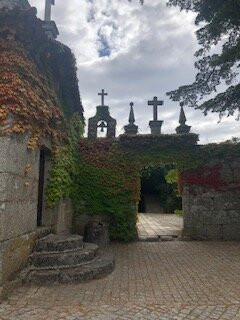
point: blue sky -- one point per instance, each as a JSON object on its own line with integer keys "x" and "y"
{"x": 134, "y": 52}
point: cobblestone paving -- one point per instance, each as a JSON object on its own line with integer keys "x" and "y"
{"x": 163, "y": 280}
{"x": 153, "y": 225}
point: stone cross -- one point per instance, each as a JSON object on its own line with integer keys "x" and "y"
{"x": 155, "y": 103}
{"x": 103, "y": 94}
{"x": 48, "y": 7}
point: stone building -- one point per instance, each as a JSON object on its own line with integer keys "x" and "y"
{"x": 38, "y": 93}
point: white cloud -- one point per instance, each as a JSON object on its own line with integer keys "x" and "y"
{"x": 152, "y": 51}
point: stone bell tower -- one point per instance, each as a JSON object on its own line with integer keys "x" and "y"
{"x": 102, "y": 120}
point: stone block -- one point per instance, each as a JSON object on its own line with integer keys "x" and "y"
{"x": 15, "y": 156}
{"x": 204, "y": 202}
{"x": 227, "y": 201}
{"x": 64, "y": 216}
{"x": 213, "y": 232}
{"x": 16, "y": 188}
{"x": 81, "y": 221}
{"x": 215, "y": 217}
{"x": 17, "y": 218}
{"x": 233, "y": 216}
{"x": 195, "y": 232}
{"x": 231, "y": 232}
{"x": 15, "y": 254}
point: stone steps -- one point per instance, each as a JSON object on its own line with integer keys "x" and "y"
{"x": 58, "y": 243}
{"x": 66, "y": 259}
{"x": 94, "y": 270}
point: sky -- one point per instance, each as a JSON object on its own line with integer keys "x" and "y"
{"x": 135, "y": 53}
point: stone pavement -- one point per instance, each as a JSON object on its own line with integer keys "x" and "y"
{"x": 153, "y": 225}
{"x": 159, "y": 280}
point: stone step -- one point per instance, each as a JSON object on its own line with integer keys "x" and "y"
{"x": 96, "y": 269}
{"x": 61, "y": 259}
{"x": 59, "y": 243}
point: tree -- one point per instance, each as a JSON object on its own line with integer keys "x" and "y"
{"x": 219, "y": 31}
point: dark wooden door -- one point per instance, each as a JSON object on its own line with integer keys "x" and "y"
{"x": 41, "y": 187}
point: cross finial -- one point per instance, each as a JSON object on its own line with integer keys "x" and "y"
{"x": 48, "y": 7}
{"x": 155, "y": 103}
{"x": 103, "y": 94}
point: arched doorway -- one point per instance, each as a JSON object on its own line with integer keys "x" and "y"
{"x": 160, "y": 206}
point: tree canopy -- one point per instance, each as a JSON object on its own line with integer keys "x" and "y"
{"x": 218, "y": 59}
{"x": 219, "y": 31}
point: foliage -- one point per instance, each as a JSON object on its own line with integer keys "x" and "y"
{"x": 154, "y": 182}
{"x": 60, "y": 183}
{"x": 106, "y": 179}
{"x": 108, "y": 184}
{"x": 35, "y": 90}
{"x": 219, "y": 28}
{"x": 64, "y": 165}
{"x": 172, "y": 176}
{"x": 178, "y": 213}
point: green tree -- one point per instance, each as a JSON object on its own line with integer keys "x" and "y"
{"x": 219, "y": 31}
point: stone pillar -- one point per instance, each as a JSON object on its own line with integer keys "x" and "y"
{"x": 155, "y": 127}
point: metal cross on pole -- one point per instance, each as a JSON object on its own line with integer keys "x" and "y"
{"x": 103, "y": 94}
{"x": 48, "y": 7}
{"x": 155, "y": 103}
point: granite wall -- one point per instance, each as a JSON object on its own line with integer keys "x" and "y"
{"x": 213, "y": 212}
{"x": 19, "y": 175}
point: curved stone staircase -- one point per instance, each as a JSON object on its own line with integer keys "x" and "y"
{"x": 66, "y": 259}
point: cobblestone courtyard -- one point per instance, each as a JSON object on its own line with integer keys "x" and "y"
{"x": 162, "y": 280}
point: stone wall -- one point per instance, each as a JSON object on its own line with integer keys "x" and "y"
{"x": 213, "y": 212}
{"x": 19, "y": 174}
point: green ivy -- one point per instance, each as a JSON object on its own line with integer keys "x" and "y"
{"x": 102, "y": 177}
{"x": 64, "y": 164}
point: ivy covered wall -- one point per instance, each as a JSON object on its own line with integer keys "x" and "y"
{"x": 38, "y": 84}
{"x": 104, "y": 175}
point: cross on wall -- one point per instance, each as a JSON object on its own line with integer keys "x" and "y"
{"x": 103, "y": 94}
{"x": 155, "y": 103}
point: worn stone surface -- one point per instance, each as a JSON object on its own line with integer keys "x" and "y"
{"x": 81, "y": 221}
{"x": 214, "y": 213}
{"x": 62, "y": 224}
{"x": 19, "y": 173}
{"x": 66, "y": 259}
{"x": 97, "y": 233}
{"x": 151, "y": 226}
{"x": 152, "y": 281}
